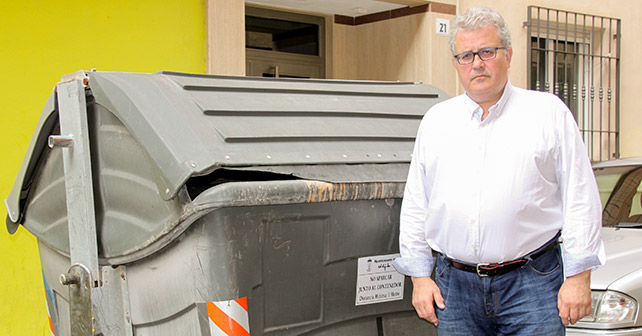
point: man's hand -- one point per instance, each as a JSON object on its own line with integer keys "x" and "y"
{"x": 574, "y": 298}
{"x": 424, "y": 293}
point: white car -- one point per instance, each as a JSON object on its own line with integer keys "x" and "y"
{"x": 617, "y": 286}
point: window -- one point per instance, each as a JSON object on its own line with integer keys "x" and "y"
{"x": 620, "y": 192}
{"x": 281, "y": 44}
{"x": 576, "y": 57}
{"x": 281, "y": 35}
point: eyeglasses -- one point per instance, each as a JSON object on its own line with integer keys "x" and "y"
{"x": 485, "y": 54}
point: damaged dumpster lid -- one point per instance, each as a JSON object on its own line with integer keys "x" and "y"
{"x": 191, "y": 125}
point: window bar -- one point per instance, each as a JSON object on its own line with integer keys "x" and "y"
{"x": 529, "y": 46}
{"x": 608, "y": 94}
{"x": 584, "y": 81}
{"x": 531, "y": 56}
{"x": 575, "y": 108}
{"x": 601, "y": 92}
{"x": 611, "y": 79}
{"x": 617, "y": 90}
{"x": 592, "y": 92}
{"x": 546, "y": 50}
{"x": 593, "y": 100}
{"x": 566, "y": 45}
{"x": 556, "y": 55}
{"x": 538, "y": 85}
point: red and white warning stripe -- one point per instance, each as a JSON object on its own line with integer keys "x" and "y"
{"x": 229, "y": 318}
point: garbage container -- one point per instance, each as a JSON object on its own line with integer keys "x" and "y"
{"x": 224, "y": 205}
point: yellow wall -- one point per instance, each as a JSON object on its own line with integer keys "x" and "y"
{"x": 39, "y": 42}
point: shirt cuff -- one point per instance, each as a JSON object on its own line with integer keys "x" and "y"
{"x": 415, "y": 267}
{"x": 577, "y": 263}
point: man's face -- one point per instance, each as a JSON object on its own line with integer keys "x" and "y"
{"x": 483, "y": 81}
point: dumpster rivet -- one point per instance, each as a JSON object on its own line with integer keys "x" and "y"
{"x": 193, "y": 165}
{"x": 60, "y": 141}
{"x": 307, "y": 156}
{"x": 69, "y": 279}
{"x": 167, "y": 191}
{"x": 378, "y": 155}
{"x": 227, "y": 157}
{"x": 269, "y": 157}
{"x": 345, "y": 156}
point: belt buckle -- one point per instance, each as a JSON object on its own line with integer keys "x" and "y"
{"x": 479, "y": 270}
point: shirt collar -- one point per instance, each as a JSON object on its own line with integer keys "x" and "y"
{"x": 497, "y": 109}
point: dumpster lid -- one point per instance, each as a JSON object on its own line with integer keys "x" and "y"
{"x": 190, "y": 125}
{"x": 47, "y": 122}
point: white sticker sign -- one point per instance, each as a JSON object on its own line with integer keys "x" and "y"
{"x": 442, "y": 26}
{"x": 377, "y": 280}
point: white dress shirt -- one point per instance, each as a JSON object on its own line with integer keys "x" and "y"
{"x": 494, "y": 190}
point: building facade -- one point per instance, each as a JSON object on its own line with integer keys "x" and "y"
{"x": 573, "y": 49}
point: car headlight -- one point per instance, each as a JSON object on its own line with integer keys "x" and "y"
{"x": 612, "y": 307}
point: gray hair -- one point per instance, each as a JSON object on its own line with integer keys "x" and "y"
{"x": 477, "y": 18}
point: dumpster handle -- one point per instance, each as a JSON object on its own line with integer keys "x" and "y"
{"x": 81, "y": 312}
{"x": 84, "y": 273}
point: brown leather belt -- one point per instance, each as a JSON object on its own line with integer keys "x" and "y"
{"x": 485, "y": 270}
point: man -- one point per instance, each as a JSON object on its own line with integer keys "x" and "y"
{"x": 496, "y": 175}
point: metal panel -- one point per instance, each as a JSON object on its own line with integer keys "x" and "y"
{"x": 296, "y": 263}
{"x": 191, "y": 124}
{"x": 577, "y": 57}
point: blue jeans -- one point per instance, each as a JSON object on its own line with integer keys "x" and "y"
{"x": 520, "y": 302}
